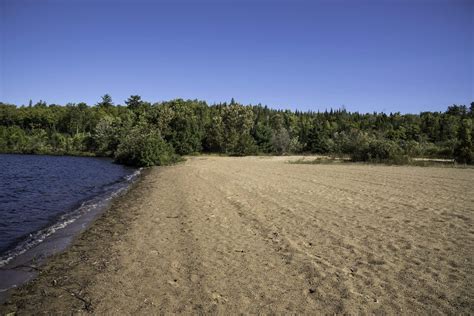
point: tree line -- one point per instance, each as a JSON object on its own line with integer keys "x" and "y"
{"x": 143, "y": 134}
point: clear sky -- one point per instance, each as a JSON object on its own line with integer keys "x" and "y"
{"x": 406, "y": 56}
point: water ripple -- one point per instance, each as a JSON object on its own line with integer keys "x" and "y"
{"x": 41, "y": 194}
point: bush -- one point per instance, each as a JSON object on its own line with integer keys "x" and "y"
{"x": 446, "y": 148}
{"x": 380, "y": 151}
{"x": 295, "y": 145}
{"x": 281, "y": 141}
{"x": 464, "y": 149}
{"x": 356, "y": 144}
{"x": 107, "y": 135}
{"x": 430, "y": 150}
{"x": 144, "y": 147}
{"x": 412, "y": 148}
{"x": 245, "y": 146}
{"x": 38, "y": 142}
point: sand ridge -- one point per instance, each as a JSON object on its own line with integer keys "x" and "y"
{"x": 260, "y": 235}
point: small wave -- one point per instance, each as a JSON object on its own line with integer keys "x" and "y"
{"x": 134, "y": 175}
{"x": 95, "y": 204}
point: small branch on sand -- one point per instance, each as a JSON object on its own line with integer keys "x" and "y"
{"x": 87, "y": 303}
{"x": 27, "y": 266}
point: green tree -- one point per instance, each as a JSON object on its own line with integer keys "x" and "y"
{"x": 281, "y": 141}
{"x": 107, "y": 135}
{"x": 184, "y": 130}
{"x": 144, "y": 147}
{"x": 106, "y": 102}
{"x": 214, "y": 140}
{"x": 318, "y": 138}
{"x": 263, "y": 134}
{"x": 464, "y": 151}
{"x": 193, "y": 126}
{"x": 135, "y": 104}
{"x": 238, "y": 122}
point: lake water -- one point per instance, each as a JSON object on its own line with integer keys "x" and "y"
{"x": 42, "y": 195}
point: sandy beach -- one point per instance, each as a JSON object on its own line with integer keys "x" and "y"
{"x": 261, "y": 235}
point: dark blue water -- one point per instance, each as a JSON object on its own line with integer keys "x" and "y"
{"x": 42, "y": 194}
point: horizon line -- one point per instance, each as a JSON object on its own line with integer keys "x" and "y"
{"x": 214, "y": 103}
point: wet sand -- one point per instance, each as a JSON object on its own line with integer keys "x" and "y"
{"x": 260, "y": 235}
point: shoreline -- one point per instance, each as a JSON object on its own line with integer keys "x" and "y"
{"x": 36, "y": 268}
{"x": 257, "y": 235}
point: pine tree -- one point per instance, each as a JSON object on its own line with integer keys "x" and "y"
{"x": 106, "y": 102}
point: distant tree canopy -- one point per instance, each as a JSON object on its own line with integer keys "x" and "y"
{"x": 145, "y": 134}
{"x": 106, "y": 102}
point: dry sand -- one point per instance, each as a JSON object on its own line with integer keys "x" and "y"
{"x": 260, "y": 235}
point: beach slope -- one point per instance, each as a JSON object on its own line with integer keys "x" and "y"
{"x": 261, "y": 235}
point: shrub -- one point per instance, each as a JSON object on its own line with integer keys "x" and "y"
{"x": 295, "y": 145}
{"x": 356, "y": 144}
{"x": 412, "y": 148}
{"x": 281, "y": 141}
{"x": 107, "y": 135}
{"x": 429, "y": 149}
{"x": 380, "y": 151}
{"x": 144, "y": 147}
{"x": 245, "y": 146}
{"x": 464, "y": 149}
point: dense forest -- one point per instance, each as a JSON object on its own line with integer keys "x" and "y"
{"x": 143, "y": 134}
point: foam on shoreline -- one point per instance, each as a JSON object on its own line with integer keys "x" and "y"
{"x": 20, "y": 264}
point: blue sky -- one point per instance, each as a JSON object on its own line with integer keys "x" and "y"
{"x": 406, "y": 56}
